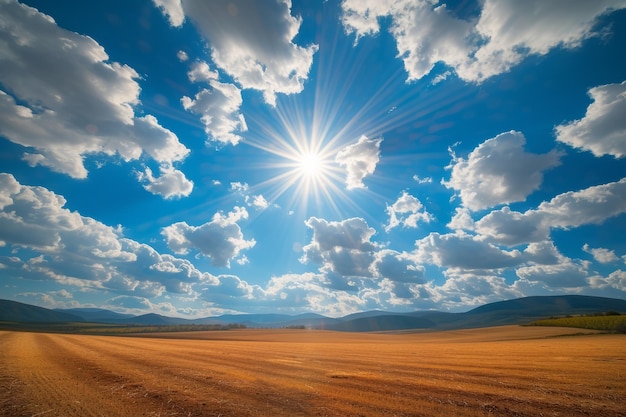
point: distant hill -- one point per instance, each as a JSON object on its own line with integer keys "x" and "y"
{"x": 26, "y": 313}
{"x": 517, "y": 311}
{"x": 96, "y": 315}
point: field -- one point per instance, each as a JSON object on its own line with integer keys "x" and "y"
{"x": 505, "y": 371}
{"x": 614, "y": 323}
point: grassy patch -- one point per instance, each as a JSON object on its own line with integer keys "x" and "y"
{"x": 610, "y": 323}
{"x": 111, "y": 329}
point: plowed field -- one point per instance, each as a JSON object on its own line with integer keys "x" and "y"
{"x": 508, "y": 371}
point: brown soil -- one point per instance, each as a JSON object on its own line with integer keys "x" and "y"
{"x": 507, "y": 371}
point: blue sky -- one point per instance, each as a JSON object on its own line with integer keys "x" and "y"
{"x": 194, "y": 158}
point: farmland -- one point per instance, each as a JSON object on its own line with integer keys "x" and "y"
{"x": 508, "y": 371}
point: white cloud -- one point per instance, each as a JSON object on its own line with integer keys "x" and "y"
{"x": 171, "y": 184}
{"x": 505, "y": 33}
{"x": 252, "y": 41}
{"x": 359, "y": 160}
{"x": 80, "y": 251}
{"x": 513, "y": 228}
{"x": 219, "y": 111}
{"x": 603, "y": 129}
{"x": 397, "y": 267}
{"x": 340, "y": 247}
{"x": 465, "y": 252}
{"x": 474, "y": 290}
{"x": 615, "y": 281}
{"x": 425, "y": 180}
{"x": 511, "y": 30}
{"x": 602, "y": 255}
{"x": 563, "y": 275}
{"x": 256, "y": 201}
{"x": 201, "y": 72}
{"x": 499, "y": 171}
{"x": 592, "y": 205}
{"x": 182, "y": 56}
{"x": 220, "y": 239}
{"x": 461, "y": 220}
{"x": 173, "y": 9}
{"x": 407, "y": 211}
{"x": 76, "y": 102}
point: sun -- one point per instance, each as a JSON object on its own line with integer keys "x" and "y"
{"x": 310, "y": 165}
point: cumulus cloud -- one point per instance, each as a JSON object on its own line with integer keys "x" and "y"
{"x": 172, "y": 183}
{"x": 229, "y": 290}
{"x": 602, "y": 255}
{"x": 252, "y": 41}
{"x": 173, "y": 9}
{"x": 221, "y": 239}
{"x": 499, "y": 171}
{"x": 63, "y": 246}
{"x": 469, "y": 289}
{"x": 341, "y": 247}
{"x": 218, "y": 109}
{"x": 201, "y": 72}
{"x": 563, "y": 275}
{"x": 504, "y": 34}
{"x": 602, "y": 130}
{"x": 359, "y": 160}
{"x": 592, "y": 205}
{"x": 76, "y": 102}
{"x": 397, "y": 267}
{"x": 463, "y": 251}
{"x": 407, "y": 211}
{"x": 461, "y": 220}
{"x": 257, "y": 201}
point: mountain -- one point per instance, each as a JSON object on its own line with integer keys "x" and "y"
{"x": 152, "y": 319}
{"x": 516, "y": 311}
{"x": 26, "y": 313}
{"x": 96, "y": 315}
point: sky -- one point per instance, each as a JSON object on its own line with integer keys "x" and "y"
{"x": 194, "y": 158}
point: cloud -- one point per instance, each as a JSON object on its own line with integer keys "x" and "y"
{"x": 230, "y": 290}
{"x": 173, "y": 9}
{"x": 602, "y": 255}
{"x": 219, "y": 111}
{"x": 76, "y": 102}
{"x": 592, "y": 205}
{"x": 603, "y": 129}
{"x": 397, "y": 267}
{"x": 182, "y": 56}
{"x": 359, "y": 160}
{"x": 474, "y": 290}
{"x": 220, "y": 239}
{"x": 341, "y": 247}
{"x": 510, "y": 31}
{"x": 563, "y": 275}
{"x": 252, "y": 41}
{"x": 499, "y": 171}
{"x": 257, "y": 201}
{"x": 171, "y": 184}
{"x": 464, "y": 251}
{"x": 425, "y": 180}
{"x": 407, "y": 211}
{"x": 502, "y": 36}
{"x": 201, "y": 72}
{"x": 54, "y": 243}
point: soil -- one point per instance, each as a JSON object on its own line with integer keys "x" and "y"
{"x": 506, "y": 371}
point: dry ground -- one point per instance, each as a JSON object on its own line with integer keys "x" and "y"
{"x": 506, "y": 371}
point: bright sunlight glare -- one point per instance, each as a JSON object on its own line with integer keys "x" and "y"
{"x": 310, "y": 165}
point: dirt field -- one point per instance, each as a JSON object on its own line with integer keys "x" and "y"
{"x": 507, "y": 371}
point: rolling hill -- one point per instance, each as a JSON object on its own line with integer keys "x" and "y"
{"x": 516, "y": 311}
